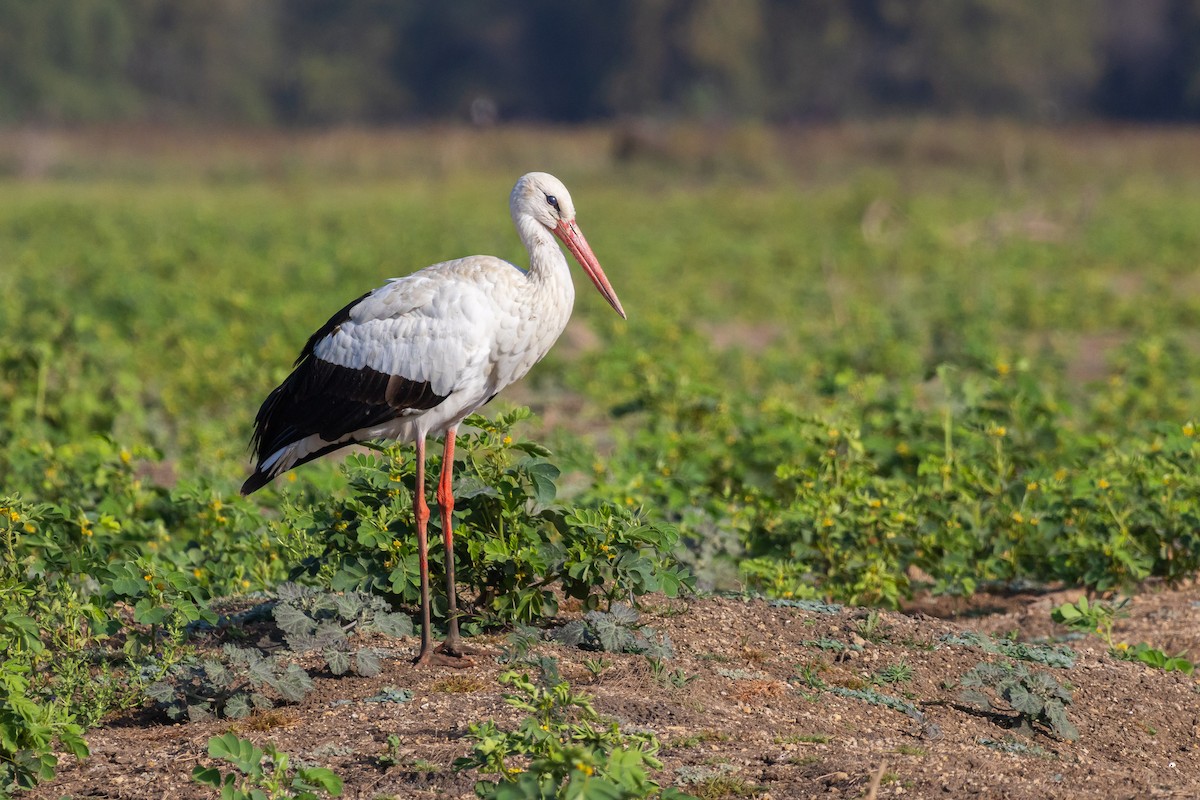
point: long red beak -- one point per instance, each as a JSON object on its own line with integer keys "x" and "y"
{"x": 572, "y": 237}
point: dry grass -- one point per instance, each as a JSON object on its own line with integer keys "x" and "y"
{"x": 1015, "y": 153}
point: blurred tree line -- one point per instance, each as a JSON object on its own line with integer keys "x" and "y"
{"x": 380, "y": 61}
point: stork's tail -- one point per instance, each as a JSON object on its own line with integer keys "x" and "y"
{"x": 292, "y": 456}
{"x": 256, "y": 481}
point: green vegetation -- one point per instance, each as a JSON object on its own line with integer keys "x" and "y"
{"x": 1036, "y": 697}
{"x": 1098, "y": 617}
{"x": 562, "y": 749}
{"x": 262, "y": 773}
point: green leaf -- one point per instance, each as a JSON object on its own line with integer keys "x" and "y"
{"x": 321, "y": 778}
{"x": 1024, "y": 702}
{"x": 1062, "y": 727}
{"x": 366, "y": 663}
{"x": 393, "y": 624}
{"x": 292, "y": 621}
{"x": 338, "y": 661}
{"x": 209, "y": 776}
{"x": 294, "y": 684}
{"x": 975, "y": 699}
{"x": 237, "y": 707}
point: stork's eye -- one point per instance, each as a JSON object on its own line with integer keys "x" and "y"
{"x": 553, "y": 201}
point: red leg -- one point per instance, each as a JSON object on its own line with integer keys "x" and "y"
{"x": 445, "y": 497}
{"x": 449, "y": 654}
{"x": 422, "y": 512}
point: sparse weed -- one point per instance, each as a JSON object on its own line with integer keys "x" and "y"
{"x": 675, "y": 678}
{"x": 715, "y": 782}
{"x": 563, "y": 747}
{"x": 900, "y": 672}
{"x": 804, "y": 738}
{"x": 596, "y": 666}
{"x": 1036, "y": 697}
{"x": 1059, "y": 656}
{"x": 870, "y": 627}
{"x": 700, "y": 737}
{"x": 910, "y": 750}
{"x": 615, "y": 631}
{"x": 1098, "y": 617}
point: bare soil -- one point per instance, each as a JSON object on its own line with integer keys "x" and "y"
{"x": 745, "y": 725}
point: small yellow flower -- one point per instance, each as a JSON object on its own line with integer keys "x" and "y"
{"x": 1003, "y": 368}
{"x": 291, "y": 476}
{"x": 1189, "y": 429}
{"x": 834, "y": 433}
{"x": 14, "y": 516}
{"x": 216, "y": 505}
{"x": 1061, "y": 474}
{"x": 902, "y": 449}
{"x": 1032, "y": 486}
{"x": 1018, "y": 517}
{"x": 1122, "y": 646}
{"x": 507, "y": 440}
{"x": 29, "y": 528}
{"x": 198, "y": 573}
{"x": 1033, "y": 520}
{"x": 827, "y": 522}
{"x": 1103, "y": 484}
{"x": 245, "y": 583}
{"x": 148, "y": 578}
{"x": 126, "y": 456}
{"x": 875, "y": 502}
{"x": 999, "y": 431}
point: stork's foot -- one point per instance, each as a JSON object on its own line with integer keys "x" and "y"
{"x": 456, "y": 649}
{"x": 440, "y": 658}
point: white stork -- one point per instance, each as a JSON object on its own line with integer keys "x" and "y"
{"x": 414, "y": 357}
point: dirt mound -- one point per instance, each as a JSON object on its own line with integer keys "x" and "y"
{"x": 760, "y": 701}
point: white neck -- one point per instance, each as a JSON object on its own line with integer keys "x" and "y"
{"x": 548, "y": 268}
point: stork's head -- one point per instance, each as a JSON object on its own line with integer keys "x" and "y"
{"x": 541, "y": 199}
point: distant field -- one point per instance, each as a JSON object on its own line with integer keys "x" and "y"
{"x": 194, "y": 262}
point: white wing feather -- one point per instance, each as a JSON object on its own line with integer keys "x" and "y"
{"x": 422, "y": 327}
